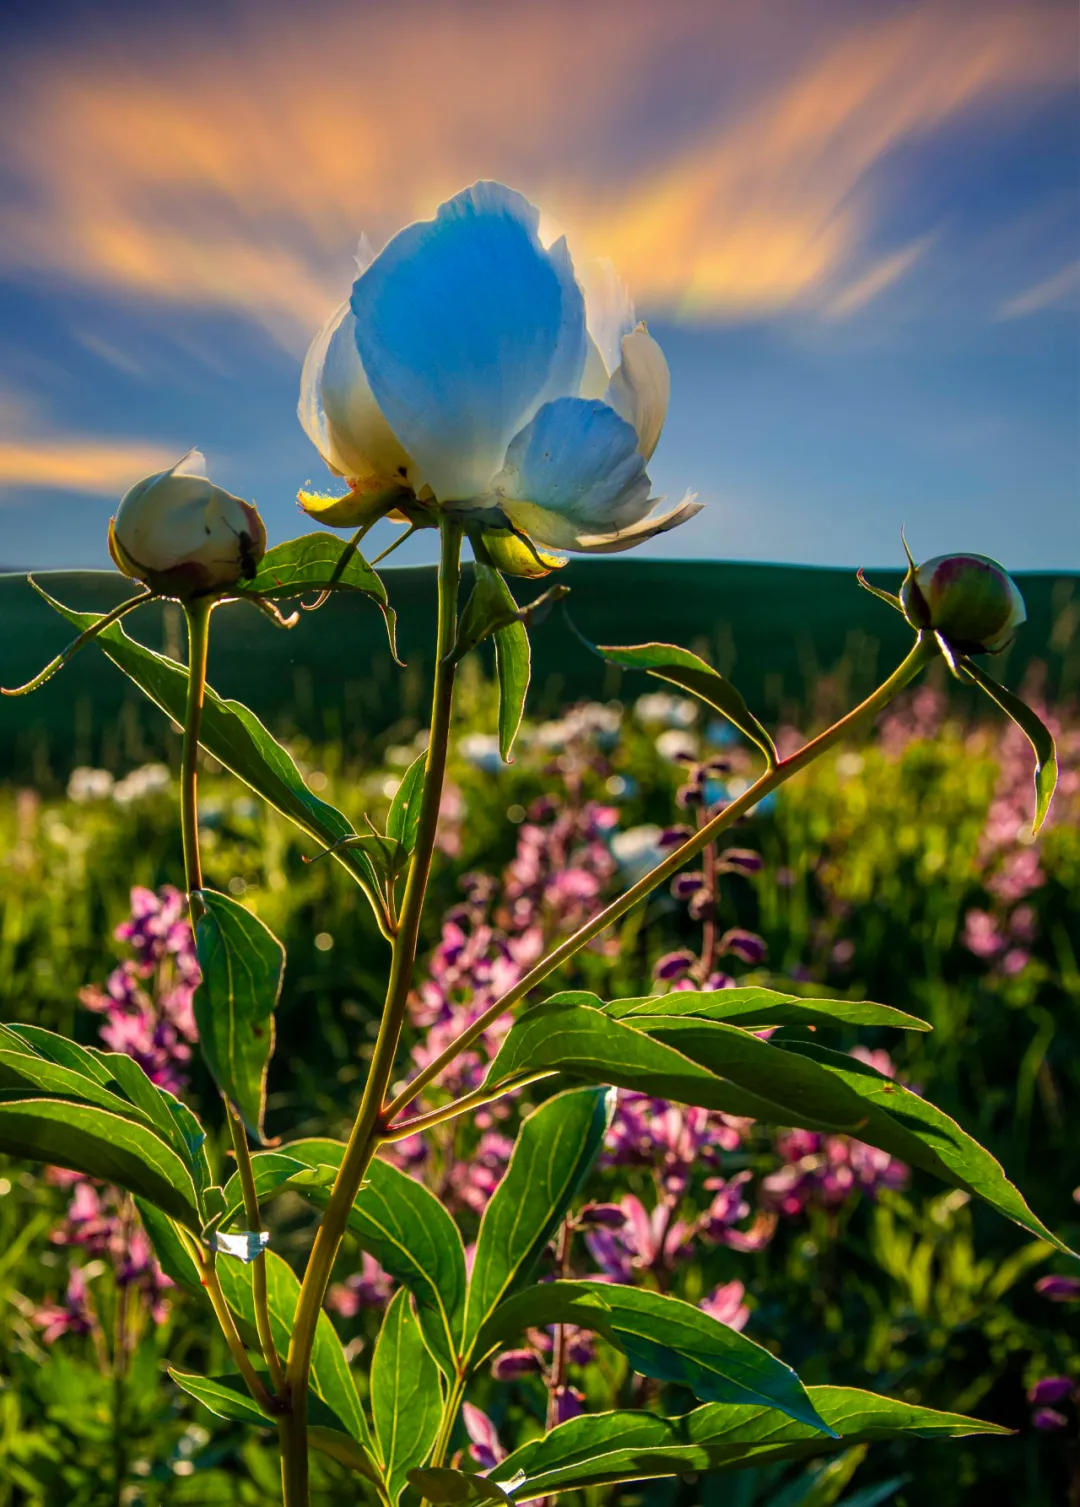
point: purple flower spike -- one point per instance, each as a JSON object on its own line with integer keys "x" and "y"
{"x": 671, "y": 837}
{"x": 684, "y": 886}
{"x": 740, "y": 861}
{"x": 485, "y": 1448}
{"x": 569, "y": 1403}
{"x": 1049, "y": 1390}
{"x": 514, "y": 1363}
{"x": 1049, "y": 1420}
{"x": 1059, "y": 1289}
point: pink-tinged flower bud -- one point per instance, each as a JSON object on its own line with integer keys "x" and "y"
{"x": 685, "y": 885}
{"x": 746, "y": 945}
{"x": 512, "y": 1364}
{"x": 183, "y": 536}
{"x": 1049, "y": 1390}
{"x": 1059, "y": 1289}
{"x": 740, "y": 861}
{"x": 969, "y": 599}
{"x": 610, "y": 1216}
{"x": 673, "y": 965}
{"x": 1049, "y": 1420}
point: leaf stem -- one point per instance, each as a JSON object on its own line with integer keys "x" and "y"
{"x": 371, "y": 1117}
{"x": 105, "y": 621}
{"x": 211, "y": 1282}
{"x": 924, "y": 650}
{"x": 197, "y": 613}
{"x": 253, "y": 1220}
{"x": 475, "y": 1100}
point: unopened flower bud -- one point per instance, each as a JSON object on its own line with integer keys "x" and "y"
{"x": 1049, "y": 1390}
{"x": 969, "y": 599}
{"x": 746, "y": 945}
{"x": 673, "y": 965}
{"x": 514, "y": 1363}
{"x": 183, "y": 536}
{"x": 740, "y": 861}
{"x": 1059, "y": 1289}
{"x": 609, "y": 1216}
{"x": 683, "y": 886}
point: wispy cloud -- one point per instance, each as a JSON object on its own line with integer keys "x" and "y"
{"x": 1044, "y": 295}
{"x": 879, "y": 276}
{"x": 238, "y": 176}
{"x": 75, "y": 464}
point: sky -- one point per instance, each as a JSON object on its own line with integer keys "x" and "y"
{"x": 853, "y": 226}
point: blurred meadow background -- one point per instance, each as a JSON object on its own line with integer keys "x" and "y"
{"x": 854, "y": 229}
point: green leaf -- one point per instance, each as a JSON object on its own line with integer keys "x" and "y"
{"x": 113, "y": 1147}
{"x": 602, "y": 1449}
{"x": 490, "y": 607}
{"x": 449, "y": 1488}
{"x": 662, "y": 1337}
{"x": 225, "y": 1396}
{"x": 29, "y": 1073}
{"x": 589, "y": 1045}
{"x": 242, "y": 965}
{"x": 407, "y": 1230}
{"x": 59, "y": 1049}
{"x": 406, "y": 1400}
{"x": 331, "y": 1378}
{"x": 273, "y": 1170}
{"x": 338, "y": 1446}
{"x": 404, "y": 813}
{"x": 171, "y": 1117}
{"x": 1033, "y": 728}
{"x": 555, "y": 1148}
{"x": 316, "y": 563}
{"x": 910, "y": 1128}
{"x": 513, "y": 666}
{"x": 236, "y": 738}
{"x": 171, "y": 1254}
{"x": 680, "y": 667}
{"x": 755, "y": 1009}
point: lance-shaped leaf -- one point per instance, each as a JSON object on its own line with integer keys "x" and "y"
{"x": 587, "y": 1044}
{"x": 1033, "y": 728}
{"x": 555, "y": 1148}
{"x": 601, "y": 1449}
{"x": 406, "y": 1399}
{"x": 662, "y": 1337}
{"x": 26, "y": 1072}
{"x": 691, "y": 673}
{"x": 317, "y": 563}
{"x": 242, "y": 965}
{"x": 404, "y": 813}
{"x": 755, "y": 1008}
{"x": 513, "y": 666}
{"x": 227, "y": 1397}
{"x": 491, "y": 607}
{"x": 102, "y": 1144}
{"x": 402, "y": 1224}
{"x": 444, "y": 1487}
{"x": 171, "y": 1117}
{"x": 331, "y": 1378}
{"x": 236, "y": 738}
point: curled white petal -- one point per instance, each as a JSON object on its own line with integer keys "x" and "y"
{"x": 574, "y": 470}
{"x": 609, "y": 311}
{"x": 466, "y": 326}
{"x": 640, "y": 388}
{"x": 646, "y": 528}
{"x": 340, "y": 414}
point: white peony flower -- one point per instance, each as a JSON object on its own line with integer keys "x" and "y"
{"x": 470, "y": 371}
{"x": 182, "y": 535}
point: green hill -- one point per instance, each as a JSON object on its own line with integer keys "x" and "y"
{"x": 775, "y": 629}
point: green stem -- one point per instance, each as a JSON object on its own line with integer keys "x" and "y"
{"x": 370, "y": 1118}
{"x": 451, "y": 1409}
{"x": 211, "y": 1282}
{"x": 924, "y": 650}
{"x": 253, "y": 1220}
{"x": 476, "y": 1100}
{"x": 197, "y": 613}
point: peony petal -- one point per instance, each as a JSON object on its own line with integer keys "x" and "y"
{"x": 609, "y": 311}
{"x": 191, "y": 464}
{"x": 641, "y": 388}
{"x": 341, "y": 417}
{"x": 574, "y": 469}
{"x": 637, "y": 533}
{"x": 466, "y": 326}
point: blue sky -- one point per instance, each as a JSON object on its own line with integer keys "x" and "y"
{"x": 854, "y": 228}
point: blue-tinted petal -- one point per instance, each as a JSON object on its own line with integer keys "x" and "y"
{"x": 575, "y": 469}
{"x": 466, "y": 325}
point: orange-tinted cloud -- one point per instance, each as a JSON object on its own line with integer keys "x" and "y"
{"x": 71, "y": 464}
{"x": 236, "y": 171}
{"x": 1046, "y": 294}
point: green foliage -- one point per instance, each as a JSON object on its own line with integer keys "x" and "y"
{"x": 406, "y": 1401}
{"x": 513, "y": 667}
{"x": 242, "y": 965}
{"x": 318, "y": 563}
{"x": 555, "y": 1149}
{"x": 691, "y": 673}
{"x": 1034, "y": 730}
{"x": 755, "y": 1008}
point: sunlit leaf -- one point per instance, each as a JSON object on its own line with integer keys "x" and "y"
{"x": 404, "y": 813}
{"x": 242, "y": 965}
{"x": 555, "y": 1148}
{"x": 755, "y": 1009}
{"x": 316, "y": 563}
{"x": 662, "y": 1337}
{"x": 601, "y": 1449}
{"x": 406, "y": 1400}
{"x": 513, "y": 666}
{"x": 691, "y": 673}
{"x": 1033, "y": 728}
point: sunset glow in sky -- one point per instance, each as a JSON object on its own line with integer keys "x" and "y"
{"x": 854, "y": 227}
